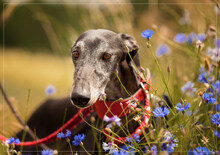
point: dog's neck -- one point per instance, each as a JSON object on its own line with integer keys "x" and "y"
{"x": 115, "y": 90}
{"x": 125, "y": 77}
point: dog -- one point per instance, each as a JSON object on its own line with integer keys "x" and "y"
{"x": 101, "y": 57}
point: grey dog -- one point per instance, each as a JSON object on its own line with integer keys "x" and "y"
{"x": 98, "y": 55}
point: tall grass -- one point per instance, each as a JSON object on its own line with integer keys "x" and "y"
{"x": 191, "y": 128}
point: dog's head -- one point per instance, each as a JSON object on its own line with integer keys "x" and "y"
{"x": 96, "y": 54}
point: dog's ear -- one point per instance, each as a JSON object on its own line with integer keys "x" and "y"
{"x": 130, "y": 46}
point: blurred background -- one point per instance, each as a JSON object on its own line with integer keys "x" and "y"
{"x": 38, "y": 35}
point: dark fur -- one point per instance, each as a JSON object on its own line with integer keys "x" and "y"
{"x": 90, "y": 71}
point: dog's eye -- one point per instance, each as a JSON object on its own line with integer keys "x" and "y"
{"x": 106, "y": 56}
{"x": 76, "y": 54}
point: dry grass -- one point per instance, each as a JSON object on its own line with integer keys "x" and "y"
{"x": 25, "y": 72}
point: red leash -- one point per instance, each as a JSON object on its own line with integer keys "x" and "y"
{"x": 109, "y": 108}
{"x": 72, "y": 123}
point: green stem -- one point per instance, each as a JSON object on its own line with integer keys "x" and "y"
{"x": 163, "y": 79}
{"x": 122, "y": 85}
{"x": 81, "y": 144}
{"x": 68, "y": 141}
{"x": 95, "y": 137}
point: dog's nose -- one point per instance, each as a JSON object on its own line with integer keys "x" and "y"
{"x": 80, "y": 100}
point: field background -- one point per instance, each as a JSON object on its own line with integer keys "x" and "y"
{"x": 37, "y": 37}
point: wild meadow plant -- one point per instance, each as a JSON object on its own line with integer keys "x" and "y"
{"x": 183, "y": 127}
{"x": 190, "y": 128}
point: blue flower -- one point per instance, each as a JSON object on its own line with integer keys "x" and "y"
{"x": 50, "y": 90}
{"x": 182, "y": 107}
{"x": 78, "y": 139}
{"x": 204, "y": 77}
{"x": 128, "y": 148}
{"x": 190, "y": 152}
{"x": 213, "y": 53}
{"x": 191, "y": 38}
{"x": 188, "y": 88}
{"x": 62, "y": 135}
{"x": 47, "y": 152}
{"x": 180, "y": 38}
{"x": 163, "y": 49}
{"x": 115, "y": 119}
{"x": 169, "y": 142}
{"x": 216, "y": 118}
{"x": 185, "y": 19}
{"x": 209, "y": 98}
{"x": 154, "y": 149}
{"x": 201, "y": 37}
{"x": 145, "y": 149}
{"x": 147, "y": 34}
{"x": 201, "y": 151}
{"x": 136, "y": 138}
{"x": 171, "y": 148}
{"x": 121, "y": 152}
{"x": 110, "y": 146}
{"x": 217, "y": 134}
{"x": 212, "y": 100}
{"x": 216, "y": 87}
{"x": 189, "y": 113}
{"x": 12, "y": 140}
{"x": 164, "y": 147}
{"x": 217, "y": 107}
{"x": 217, "y": 43}
{"x": 206, "y": 96}
{"x": 161, "y": 112}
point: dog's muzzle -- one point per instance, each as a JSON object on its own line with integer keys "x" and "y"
{"x": 80, "y": 100}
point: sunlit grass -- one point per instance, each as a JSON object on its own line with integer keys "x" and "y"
{"x": 29, "y": 73}
{"x": 25, "y": 72}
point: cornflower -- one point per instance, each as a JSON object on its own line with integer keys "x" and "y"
{"x": 78, "y": 139}
{"x": 161, "y": 112}
{"x": 115, "y": 119}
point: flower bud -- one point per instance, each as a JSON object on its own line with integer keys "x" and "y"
{"x": 55, "y": 152}
{"x": 131, "y": 108}
{"x": 120, "y": 99}
{"x": 137, "y": 118}
{"x": 67, "y": 140}
{"x": 142, "y": 69}
{"x": 199, "y": 45}
{"x": 154, "y": 26}
{"x": 148, "y": 45}
{"x": 138, "y": 109}
{"x": 211, "y": 32}
{"x": 116, "y": 71}
{"x": 108, "y": 130}
{"x": 81, "y": 143}
{"x": 168, "y": 69}
{"x": 92, "y": 119}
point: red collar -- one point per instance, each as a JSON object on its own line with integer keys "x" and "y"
{"x": 120, "y": 108}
